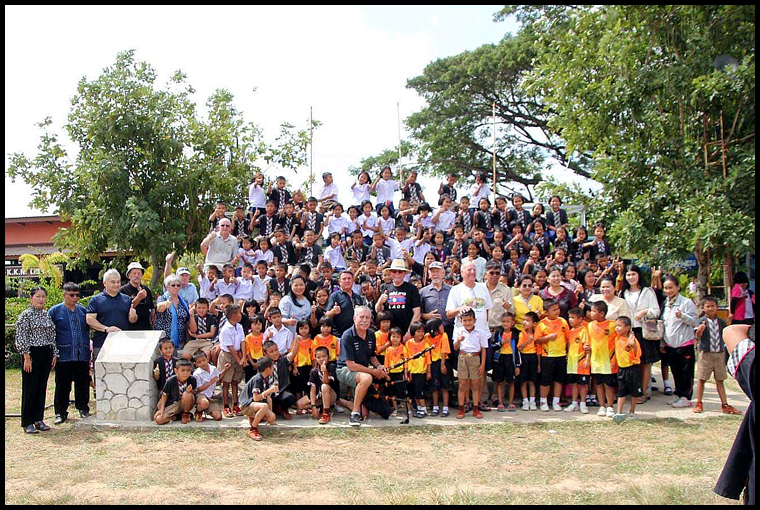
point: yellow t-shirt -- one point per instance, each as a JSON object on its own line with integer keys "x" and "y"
{"x": 440, "y": 345}
{"x": 253, "y": 345}
{"x": 305, "y": 352}
{"x": 558, "y": 347}
{"x": 602, "y": 336}
{"x": 330, "y": 341}
{"x": 530, "y": 348}
{"x": 419, "y": 365}
{"x": 506, "y": 343}
{"x": 394, "y": 355}
{"x": 625, "y": 354}
{"x": 535, "y": 304}
{"x": 576, "y": 354}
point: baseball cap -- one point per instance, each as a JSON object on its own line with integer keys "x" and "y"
{"x": 436, "y": 265}
{"x": 182, "y": 270}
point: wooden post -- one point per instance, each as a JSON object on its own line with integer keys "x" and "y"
{"x": 494, "y": 153}
{"x": 311, "y": 152}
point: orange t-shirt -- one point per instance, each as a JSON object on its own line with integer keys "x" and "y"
{"x": 602, "y": 336}
{"x": 577, "y": 360}
{"x": 253, "y": 345}
{"x": 419, "y": 365}
{"x": 380, "y": 340}
{"x": 305, "y": 353}
{"x": 558, "y": 347}
{"x": 506, "y": 343}
{"x": 330, "y": 341}
{"x": 531, "y": 347}
{"x": 625, "y": 354}
{"x": 440, "y": 345}
{"x": 394, "y": 355}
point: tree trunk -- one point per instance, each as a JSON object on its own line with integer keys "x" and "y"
{"x": 728, "y": 275}
{"x": 703, "y": 271}
{"x": 158, "y": 271}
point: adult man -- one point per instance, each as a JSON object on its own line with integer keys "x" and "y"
{"x": 73, "y": 340}
{"x": 501, "y": 295}
{"x": 187, "y": 289}
{"x": 357, "y": 353}
{"x": 142, "y": 298}
{"x": 402, "y": 299}
{"x": 109, "y": 311}
{"x": 434, "y": 298}
{"x": 469, "y": 295}
{"x": 220, "y": 248}
{"x": 342, "y": 303}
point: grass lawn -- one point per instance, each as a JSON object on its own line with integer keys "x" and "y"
{"x": 665, "y": 461}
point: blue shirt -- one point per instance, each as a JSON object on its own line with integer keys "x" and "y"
{"x": 111, "y": 311}
{"x": 189, "y": 293}
{"x": 355, "y": 348}
{"x": 71, "y": 332}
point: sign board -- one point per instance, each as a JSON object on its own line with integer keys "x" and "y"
{"x": 18, "y": 271}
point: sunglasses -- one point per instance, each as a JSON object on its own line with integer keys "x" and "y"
{"x": 73, "y": 294}
{"x": 175, "y": 285}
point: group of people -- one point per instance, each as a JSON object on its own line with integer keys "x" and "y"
{"x": 311, "y": 305}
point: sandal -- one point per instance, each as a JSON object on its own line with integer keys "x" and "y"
{"x": 236, "y": 410}
{"x": 501, "y": 408}
{"x": 727, "y": 409}
{"x": 228, "y": 412}
{"x": 511, "y": 407}
{"x": 199, "y": 416}
{"x": 643, "y": 400}
{"x": 185, "y": 418}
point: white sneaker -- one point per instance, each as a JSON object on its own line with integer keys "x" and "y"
{"x": 533, "y": 406}
{"x": 572, "y": 407}
{"x": 556, "y": 407}
{"x": 339, "y": 409}
{"x": 682, "y": 402}
{"x": 673, "y": 401}
{"x": 631, "y": 416}
{"x": 525, "y": 406}
{"x": 602, "y": 411}
{"x": 545, "y": 407}
{"x": 618, "y": 418}
{"x": 584, "y": 408}
{"x": 610, "y": 412}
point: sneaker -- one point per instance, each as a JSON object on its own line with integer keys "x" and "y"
{"x": 41, "y": 426}
{"x": 354, "y": 420}
{"x": 533, "y": 407}
{"x": 583, "y": 408}
{"x": 420, "y": 414}
{"x": 525, "y": 406}
{"x": 444, "y": 413}
{"x": 434, "y": 412}
{"x": 618, "y": 417}
{"x": 544, "y": 407}
{"x": 460, "y": 414}
{"x": 339, "y": 409}
{"x": 698, "y": 407}
{"x": 682, "y": 402}
{"x": 668, "y": 390}
{"x": 59, "y": 418}
{"x": 477, "y": 414}
{"x": 254, "y": 434}
{"x": 631, "y": 416}
{"x": 602, "y": 411}
{"x": 324, "y": 419}
{"x": 556, "y": 407}
{"x": 572, "y": 407}
{"x": 227, "y": 412}
{"x": 727, "y": 409}
{"x": 236, "y": 410}
{"x": 30, "y": 429}
{"x": 610, "y": 412}
{"x": 84, "y": 413}
{"x": 673, "y": 401}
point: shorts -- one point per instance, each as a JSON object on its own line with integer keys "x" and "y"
{"x": 172, "y": 410}
{"x": 650, "y": 349}
{"x": 235, "y": 373}
{"x": 629, "y": 382}
{"x": 418, "y": 386}
{"x": 608, "y": 379}
{"x": 347, "y": 377}
{"x": 581, "y": 379}
{"x": 710, "y": 363}
{"x": 251, "y": 409}
{"x": 214, "y": 403}
{"x": 300, "y": 382}
{"x": 528, "y": 369}
{"x": 399, "y": 388}
{"x": 194, "y": 345}
{"x": 504, "y": 369}
{"x": 553, "y": 370}
{"x": 440, "y": 381}
{"x": 467, "y": 366}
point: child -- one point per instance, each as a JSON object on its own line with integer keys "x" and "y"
{"x": 337, "y": 223}
{"x": 465, "y": 216}
{"x": 284, "y": 251}
{"x": 382, "y": 336}
{"x": 207, "y": 376}
{"x": 501, "y": 214}
{"x": 419, "y": 369}
{"x": 245, "y": 289}
{"x": 279, "y": 196}
{"x": 264, "y": 252}
{"x": 361, "y": 189}
{"x": 444, "y": 218}
{"x": 283, "y": 398}
{"x": 425, "y": 218}
{"x": 266, "y": 222}
{"x": 628, "y": 357}
{"x": 578, "y": 354}
{"x": 252, "y": 348}
{"x": 246, "y": 254}
{"x": 311, "y": 219}
{"x": 231, "y": 339}
{"x": 441, "y": 378}
{"x": 412, "y": 191}
{"x": 385, "y": 186}
{"x": 518, "y": 214}
{"x": 480, "y": 189}
{"x": 439, "y": 249}
{"x": 326, "y": 339}
{"x": 368, "y": 223}
{"x": 599, "y": 246}
{"x": 352, "y": 224}
{"x": 601, "y": 334}
{"x": 318, "y": 310}
{"x": 334, "y": 254}
{"x": 394, "y": 353}
{"x": 328, "y": 194}
{"x": 228, "y": 284}
{"x": 448, "y": 189}
{"x": 506, "y": 360}
{"x": 711, "y": 358}
{"x": 552, "y": 331}
{"x": 256, "y": 195}
{"x": 387, "y": 223}
{"x": 240, "y": 223}
{"x": 280, "y": 282}
{"x": 472, "y": 344}
{"x": 484, "y": 218}
{"x": 557, "y": 217}
{"x": 324, "y": 388}
{"x": 458, "y": 247}
{"x": 163, "y": 367}
{"x": 256, "y": 397}
{"x": 207, "y": 281}
{"x": 302, "y": 362}
{"x": 260, "y": 282}
{"x": 177, "y": 395}
{"x": 310, "y": 251}
{"x": 378, "y": 252}
{"x": 278, "y": 333}
{"x": 274, "y": 301}
{"x": 220, "y": 211}
{"x": 531, "y": 363}
{"x": 204, "y": 331}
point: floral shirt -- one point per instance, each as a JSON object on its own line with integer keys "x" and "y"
{"x": 35, "y": 328}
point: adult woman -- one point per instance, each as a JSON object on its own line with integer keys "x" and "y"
{"x": 587, "y": 280}
{"x": 526, "y": 301}
{"x": 556, "y": 291}
{"x": 35, "y": 340}
{"x": 568, "y": 277}
{"x": 294, "y": 306}
{"x": 680, "y": 318}
{"x": 616, "y": 306}
{"x": 429, "y": 258}
{"x": 172, "y": 313}
{"x": 643, "y": 304}
{"x": 742, "y": 305}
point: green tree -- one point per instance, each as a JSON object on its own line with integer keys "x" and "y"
{"x": 637, "y": 87}
{"x": 148, "y": 169}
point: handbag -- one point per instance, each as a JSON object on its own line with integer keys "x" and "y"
{"x": 654, "y": 329}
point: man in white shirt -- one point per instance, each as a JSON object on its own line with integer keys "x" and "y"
{"x": 469, "y": 295}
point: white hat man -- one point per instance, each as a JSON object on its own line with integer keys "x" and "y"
{"x": 402, "y": 299}
{"x": 142, "y": 298}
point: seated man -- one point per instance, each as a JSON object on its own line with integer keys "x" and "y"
{"x": 357, "y": 353}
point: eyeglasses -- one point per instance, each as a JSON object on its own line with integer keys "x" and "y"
{"x": 224, "y": 226}
{"x": 492, "y": 273}
{"x": 175, "y": 285}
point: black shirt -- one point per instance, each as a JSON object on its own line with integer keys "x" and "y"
{"x": 448, "y": 190}
{"x": 346, "y": 302}
{"x": 315, "y": 377}
{"x": 143, "y": 308}
{"x": 401, "y": 303}
{"x": 285, "y": 254}
{"x": 355, "y": 348}
{"x": 257, "y": 384}
{"x": 173, "y": 389}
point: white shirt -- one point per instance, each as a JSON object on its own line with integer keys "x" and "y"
{"x": 474, "y": 340}
{"x": 227, "y": 288}
{"x": 202, "y": 377}
{"x": 426, "y": 222}
{"x": 419, "y": 252}
{"x": 244, "y": 290}
{"x": 399, "y": 248}
{"x": 260, "y": 287}
{"x": 335, "y": 225}
{"x": 387, "y": 225}
{"x": 282, "y": 337}
{"x": 371, "y": 222}
{"x": 445, "y": 220}
{"x": 335, "y": 257}
{"x": 478, "y": 298}
{"x": 475, "y": 197}
{"x": 231, "y": 337}
{"x": 385, "y": 190}
{"x": 266, "y": 256}
{"x": 329, "y": 189}
{"x": 246, "y": 257}
{"x": 204, "y": 284}
{"x": 361, "y": 193}
{"x": 256, "y": 196}
{"x": 642, "y": 299}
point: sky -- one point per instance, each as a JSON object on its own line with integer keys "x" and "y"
{"x": 350, "y": 64}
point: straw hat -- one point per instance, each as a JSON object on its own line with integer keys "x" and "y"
{"x": 399, "y": 265}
